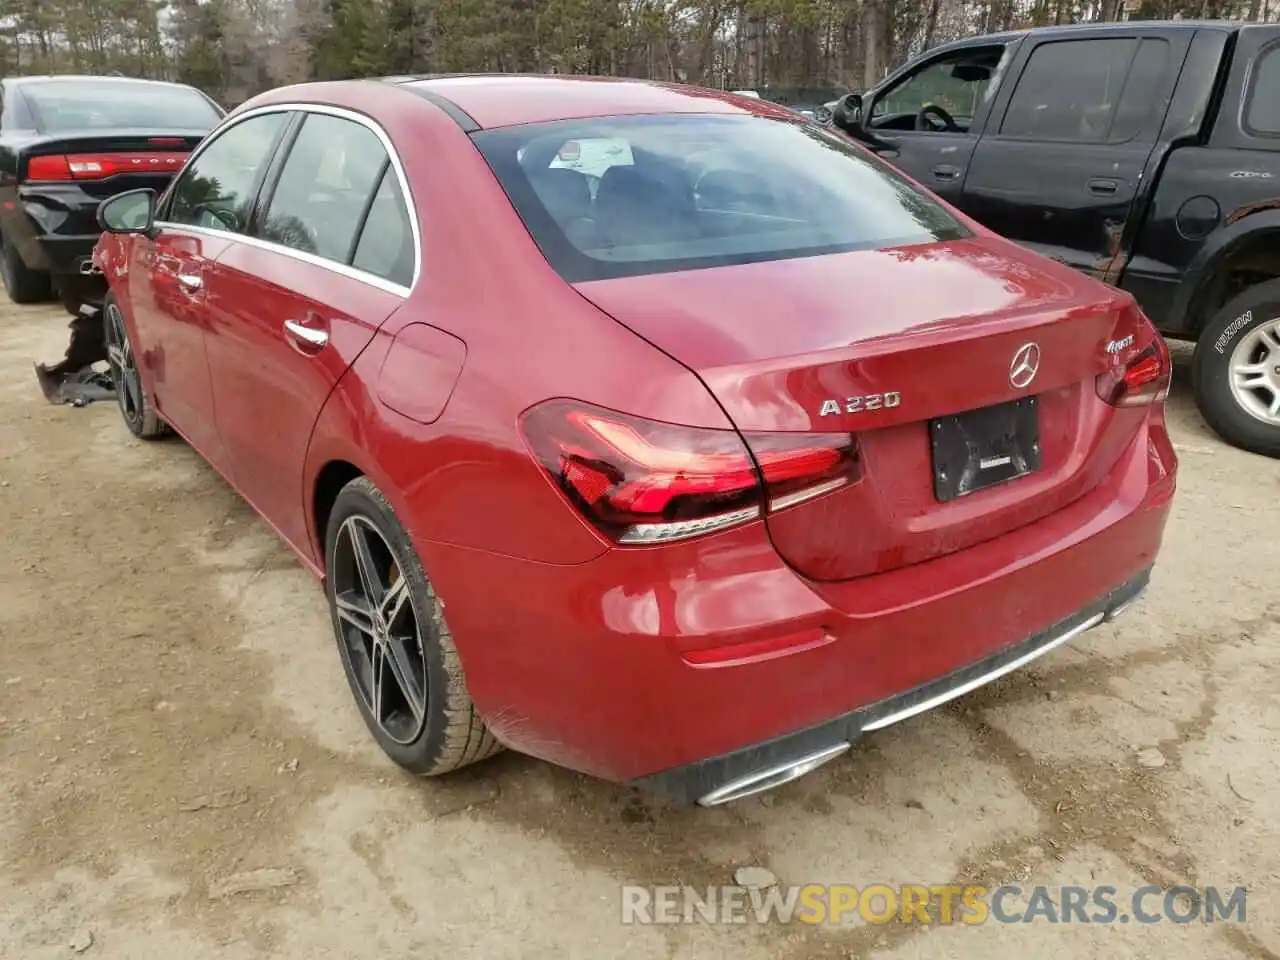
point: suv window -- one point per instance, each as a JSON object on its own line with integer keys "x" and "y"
{"x": 1069, "y": 90}
{"x": 324, "y": 187}
{"x": 217, "y": 189}
{"x": 1263, "y": 114}
{"x": 958, "y": 84}
{"x": 1144, "y": 92}
{"x": 386, "y": 242}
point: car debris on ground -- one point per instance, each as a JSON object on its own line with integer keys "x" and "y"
{"x": 74, "y": 379}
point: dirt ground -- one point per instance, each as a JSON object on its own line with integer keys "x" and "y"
{"x": 173, "y": 714}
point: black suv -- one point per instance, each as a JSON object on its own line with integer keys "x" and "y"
{"x": 1146, "y": 154}
{"x": 66, "y": 144}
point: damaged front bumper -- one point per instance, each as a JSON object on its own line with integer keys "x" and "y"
{"x": 73, "y": 379}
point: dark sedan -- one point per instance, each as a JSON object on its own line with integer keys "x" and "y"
{"x": 68, "y": 143}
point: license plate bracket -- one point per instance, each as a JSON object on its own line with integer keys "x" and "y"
{"x": 981, "y": 448}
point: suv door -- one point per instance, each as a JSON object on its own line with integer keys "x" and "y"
{"x": 199, "y": 216}
{"x": 1060, "y": 164}
{"x": 908, "y": 117}
{"x": 331, "y": 253}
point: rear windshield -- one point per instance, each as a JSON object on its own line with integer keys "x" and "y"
{"x": 623, "y": 196}
{"x": 59, "y": 105}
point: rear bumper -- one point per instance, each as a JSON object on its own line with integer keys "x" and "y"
{"x": 67, "y": 260}
{"x": 766, "y": 765}
{"x": 58, "y": 227}
{"x": 55, "y": 230}
{"x": 66, "y": 255}
{"x": 688, "y": 666}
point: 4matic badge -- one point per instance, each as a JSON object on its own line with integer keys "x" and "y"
{"x": 862, "y": 404}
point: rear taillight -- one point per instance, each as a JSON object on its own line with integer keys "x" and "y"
{"x": 1144, "y": 378}
{"x": 99, "y": 166}
{"x": 639, "y": 481}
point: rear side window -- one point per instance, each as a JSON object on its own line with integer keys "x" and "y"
{"x": 104, "y": 104}
{"x": 1069, "y": 91}
{"x": 622, "y": 196}
{"x": 216, "y": 189}
{"x": 324, "y": 188}
{"x": 386, "y": 241}
{"x": 1145, "y": 94}
{"x": 1262, "y": 116}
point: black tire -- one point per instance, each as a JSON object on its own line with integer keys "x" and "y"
{"x": 438, "y": 730}
{"x": 1245, "y": 331}
{"x": 136, "y": 409}
{"x": 23, "y": 284}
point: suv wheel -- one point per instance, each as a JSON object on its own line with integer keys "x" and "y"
{"x": 1236, "y": 370}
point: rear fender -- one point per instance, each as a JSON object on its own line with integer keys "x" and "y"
{"x": 1242, "y": 226}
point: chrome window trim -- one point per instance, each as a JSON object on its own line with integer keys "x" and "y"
{"x": 342, "y": 269}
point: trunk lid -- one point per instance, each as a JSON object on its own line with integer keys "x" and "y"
{"x": 884, "y": 344}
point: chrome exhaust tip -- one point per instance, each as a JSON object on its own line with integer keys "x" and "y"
{"x": 761, "y": 780}
{"x": 88, "y": 268}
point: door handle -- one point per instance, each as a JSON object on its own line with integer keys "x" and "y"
{"x": 946, "y": 172}
{"x": 1103, "y": 188}
{"x": 308, "y": 335}
{"x": 190, "y": 282}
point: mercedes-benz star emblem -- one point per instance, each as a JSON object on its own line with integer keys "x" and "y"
{"x": 1025, "y": 365}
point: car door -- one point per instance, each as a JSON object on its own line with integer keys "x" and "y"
{"x": 1060, "y": 165}
{"x": 330, "y": 255}
{"x": 959, "y": 82}
{"x": 200, "y": 216}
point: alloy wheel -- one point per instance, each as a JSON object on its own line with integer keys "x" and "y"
{"x": 379, "y": 630}
{"x": 124, "y": 370}
{"x": 1255, "y": 372}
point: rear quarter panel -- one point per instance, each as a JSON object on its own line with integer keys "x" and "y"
{"x": 466, "y": 478}
{"x": 1207, "y": 200}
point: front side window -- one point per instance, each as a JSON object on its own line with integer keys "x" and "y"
{"x": 319, "y": 202}
{"x": 1069, "y": 91}
{"x": 957, "y": 85}
{"x": 663, "y": 193}
{"x": 1262, "y": 116}
{"x": 216, "y": 190}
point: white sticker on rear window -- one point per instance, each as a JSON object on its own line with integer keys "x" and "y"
{"x": 594, "y": 156}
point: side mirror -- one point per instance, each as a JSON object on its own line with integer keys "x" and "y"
{"x": 847, "y": 114}
{"x": 131, "y": 212}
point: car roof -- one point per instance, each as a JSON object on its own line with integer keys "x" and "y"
{"x": 54, "y": 78}
{"x": 1124, "y": 26}
{"x": 500, "y": 100}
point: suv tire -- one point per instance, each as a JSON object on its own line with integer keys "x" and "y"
{"x": 1235, "y": 371}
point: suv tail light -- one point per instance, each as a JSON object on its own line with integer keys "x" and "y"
{"x": 640, "y": 481}
{"x": 1142, "y": 380}
{"x": 99, "y": 166}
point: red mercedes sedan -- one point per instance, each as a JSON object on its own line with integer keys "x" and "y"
{"x": 655, "y": 432}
